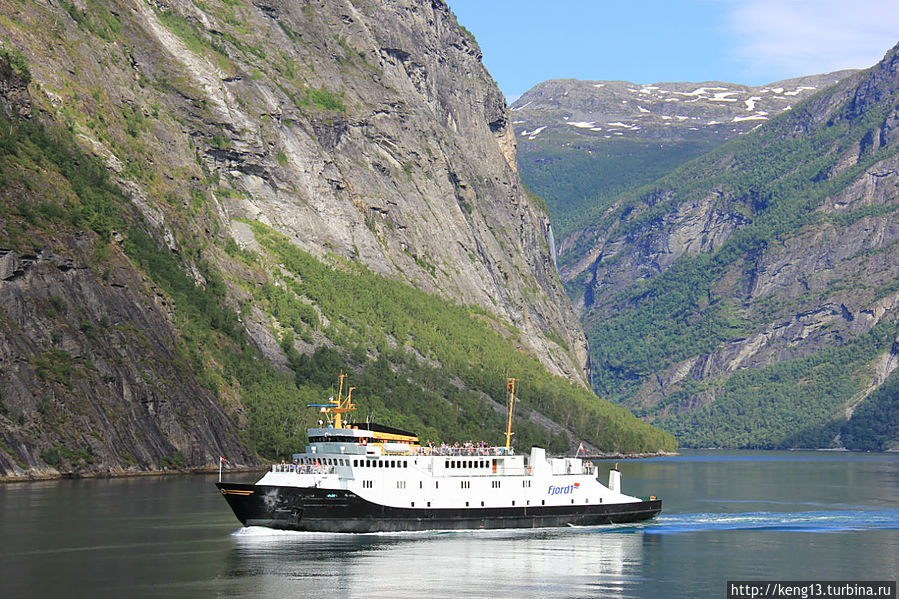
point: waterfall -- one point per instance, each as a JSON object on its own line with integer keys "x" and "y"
{"x": 552, "y": 244}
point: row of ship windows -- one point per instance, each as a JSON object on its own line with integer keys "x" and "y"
{"x": 464, "y": 484}
{"x": 381, "y": 463}
{"x": 467, "y": 464}
{"x": 324, "y": 461}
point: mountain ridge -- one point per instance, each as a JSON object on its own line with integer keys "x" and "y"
{"x": 720, "y": 297}
{"x": 615, "y": 135}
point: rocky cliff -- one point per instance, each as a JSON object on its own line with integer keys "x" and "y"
{"x": 748, "y": 298}
{"x": 366, "y": 132}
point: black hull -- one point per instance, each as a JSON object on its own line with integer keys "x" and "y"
{"x": 329, "y": 510}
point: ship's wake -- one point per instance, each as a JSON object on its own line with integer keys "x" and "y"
{"x": 821, "y": 521}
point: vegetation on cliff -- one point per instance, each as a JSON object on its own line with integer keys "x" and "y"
{"x": 697, "y": 330}
{"x": 136, "y": 332}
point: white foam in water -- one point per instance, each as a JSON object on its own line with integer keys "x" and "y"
{"x": 818, "y": 521}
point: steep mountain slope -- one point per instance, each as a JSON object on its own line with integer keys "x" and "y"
{"x": 268, "y": 170}
{"x": 581, "y": 143}
{"x": 748, "y": 299}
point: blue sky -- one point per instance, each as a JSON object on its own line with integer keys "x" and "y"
{"x": 739, "y": 41}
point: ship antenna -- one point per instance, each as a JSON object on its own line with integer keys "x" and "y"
{"x": 339, "y": 406}
{"x": 344, "y": 404}
{"x": 510, "y": 385}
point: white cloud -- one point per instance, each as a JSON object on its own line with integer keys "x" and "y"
{"x": 804, "y": 37}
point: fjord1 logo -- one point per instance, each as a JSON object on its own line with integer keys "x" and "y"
{"x": 566, "y": 490}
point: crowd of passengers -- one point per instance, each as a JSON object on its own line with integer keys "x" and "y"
{"x": 324, "y": 465}
{"x": 468, "y": 448}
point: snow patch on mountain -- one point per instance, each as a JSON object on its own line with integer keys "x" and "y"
{"x": 798, "y": 90}
{"x": 534, "y": 133}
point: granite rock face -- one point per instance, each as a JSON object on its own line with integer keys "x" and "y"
{"x": 366, "y": 129}
{"x": 89, "y": 366}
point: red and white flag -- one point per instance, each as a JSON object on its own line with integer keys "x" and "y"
{"x": 223, "y": 460}
{"x": 580, "y": 448}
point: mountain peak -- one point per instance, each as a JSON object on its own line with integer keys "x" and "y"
{"x": 670, "y": 110}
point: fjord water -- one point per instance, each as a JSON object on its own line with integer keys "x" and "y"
{"x": 726, "y": 516}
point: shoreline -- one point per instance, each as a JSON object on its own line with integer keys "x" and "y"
{"x": 595, "y": 457}
{"x": 50, "y": 476}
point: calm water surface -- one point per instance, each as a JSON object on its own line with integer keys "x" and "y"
{"x": 726, "y": 516}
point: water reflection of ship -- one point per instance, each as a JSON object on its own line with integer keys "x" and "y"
{"x": 561, "y": 563}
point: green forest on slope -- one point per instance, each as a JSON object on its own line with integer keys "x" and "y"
{"x": 418, "y": 362}
{"x": 794, "y": 403}
{"x": 452, "y": 355}
{"x": 579, "y": 180}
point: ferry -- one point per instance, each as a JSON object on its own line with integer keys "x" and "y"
{"x": 363, "y": 478}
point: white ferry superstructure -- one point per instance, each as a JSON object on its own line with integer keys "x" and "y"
{"x": 373, "y": 478}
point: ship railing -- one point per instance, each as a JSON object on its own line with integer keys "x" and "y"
{"x": 465, "y": 451}
{"x": 304, "y": 468}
